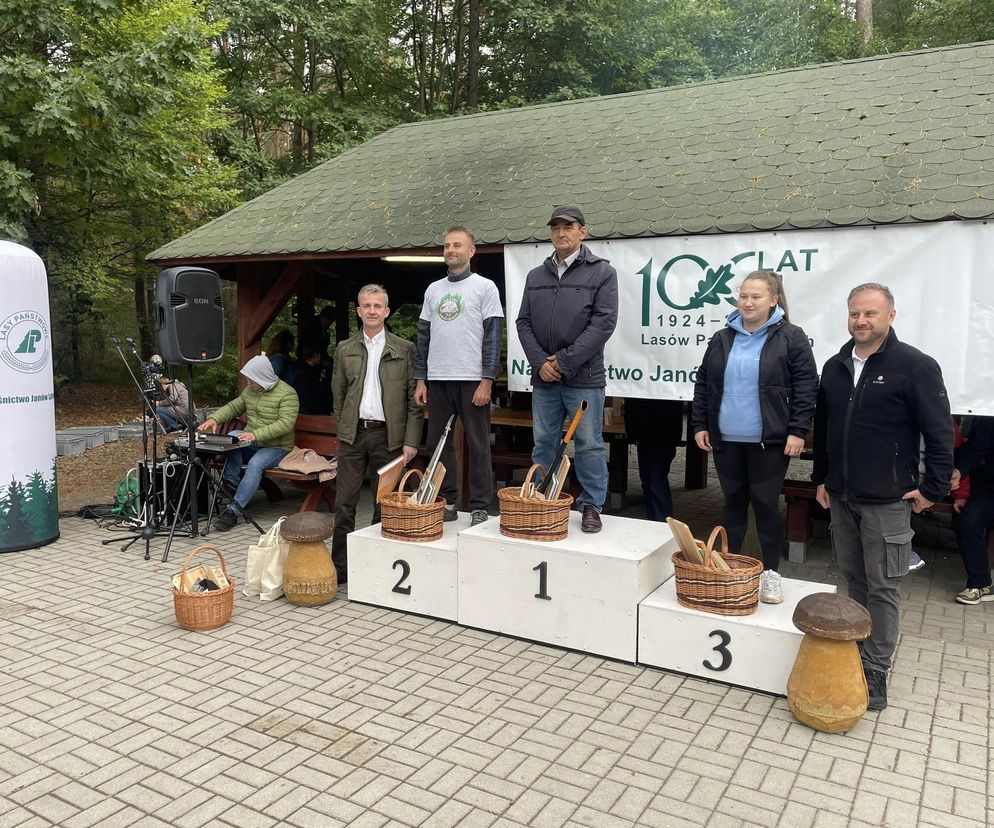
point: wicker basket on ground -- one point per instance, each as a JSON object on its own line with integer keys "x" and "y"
{"x": 400, "y": 519}
{"x": 724, "y": 592}
{"x": 200, "y": 611}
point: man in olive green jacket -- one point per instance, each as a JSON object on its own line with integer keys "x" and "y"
{"x": 373, "y": 389}
{"x": 270, "y": 407}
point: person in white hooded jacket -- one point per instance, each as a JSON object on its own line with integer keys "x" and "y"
{"x": 269, "y": 407}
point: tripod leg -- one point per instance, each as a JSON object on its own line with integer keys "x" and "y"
{"x": 184, "y": 489}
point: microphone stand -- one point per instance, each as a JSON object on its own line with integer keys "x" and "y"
{"x": 148, "y": 515}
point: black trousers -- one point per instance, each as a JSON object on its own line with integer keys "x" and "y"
{"x": 971, "y": 532}
{"x": 355, "y": 462}
{"x": 654, "y": 472}
{"x": 749, "y": 473}
{"x": 447, "y": 397}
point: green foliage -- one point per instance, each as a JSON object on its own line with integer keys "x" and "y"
{"x": 124, "y": 123}
{"x": 218, "y": 382}
{"x": 103, "y": 123}
{"x": 900, "y": 25}
{"x": 403, "y": 321}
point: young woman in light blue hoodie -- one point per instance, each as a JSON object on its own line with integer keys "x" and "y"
{"x": 754, "y": 401}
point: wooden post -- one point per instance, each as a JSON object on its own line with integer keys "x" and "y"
{"x": 248, "y": 280}
{"x": 305, "y": 303}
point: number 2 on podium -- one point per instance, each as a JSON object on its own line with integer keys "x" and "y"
{"x": 543, "y": 581}
{"x": 405, "y": 571}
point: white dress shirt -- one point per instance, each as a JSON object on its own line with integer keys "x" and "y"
{"x": 371, "y": 404}
{"x": 561, "y": 266}
{"x": 857, "y": 367}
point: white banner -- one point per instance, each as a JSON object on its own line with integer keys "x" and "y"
{"x": 29, "y": 507}
{"x": 675, "y": 292}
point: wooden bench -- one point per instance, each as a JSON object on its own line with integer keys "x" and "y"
{"x": 800, "y": 497}
{"x": 312, "y": 431}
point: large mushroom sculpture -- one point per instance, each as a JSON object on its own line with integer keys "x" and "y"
{"x": 309, "y": 577}
{"x": 826, "y": 688}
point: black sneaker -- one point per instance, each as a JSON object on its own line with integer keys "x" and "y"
{"x": 227, "y": 521}
{"x": 876, "y": 684}
{"x": 342, "y": 576}
{"x": 450, "y": 513}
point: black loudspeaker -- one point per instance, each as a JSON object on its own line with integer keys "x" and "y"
{"x": 189, "y": 315}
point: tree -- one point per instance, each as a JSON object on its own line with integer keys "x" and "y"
{"x": 103, "y": 121}
{"x": 864, "y": 17}
{"x": 307, "y": 79}
{"x": 908, "y": 24}
{"x": 18, "y": 530}
{"x": 36, "y": 512}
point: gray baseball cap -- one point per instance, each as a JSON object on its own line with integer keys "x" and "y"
{"x": 568, "y": 213}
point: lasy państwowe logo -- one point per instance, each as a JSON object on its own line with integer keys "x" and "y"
{"x": 24, "y": 341}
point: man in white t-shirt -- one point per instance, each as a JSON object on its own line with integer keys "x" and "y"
{"x": 456, "y": 360}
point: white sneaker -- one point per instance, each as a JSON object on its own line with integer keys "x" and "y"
{"x": 770, "y": 588}
{"x": 914, "y": 561}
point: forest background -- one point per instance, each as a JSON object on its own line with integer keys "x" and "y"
{"x": 125, "y": 123}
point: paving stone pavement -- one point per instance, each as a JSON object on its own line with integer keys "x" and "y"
{"x": 110, "y": 714}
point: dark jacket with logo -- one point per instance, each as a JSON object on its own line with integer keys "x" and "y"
{"x": 867, "y": 438}
{"x": 572, "y": 318}
{"x": 788, "y": 384}
{"x": 404, "y": 419}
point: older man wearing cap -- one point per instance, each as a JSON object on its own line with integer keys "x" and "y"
{"x": 568, "y": 312}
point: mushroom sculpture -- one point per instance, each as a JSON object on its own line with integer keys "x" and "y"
{"x": 309, "y": 578}
{"x": 826, "y": 688}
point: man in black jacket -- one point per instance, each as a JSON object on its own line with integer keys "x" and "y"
{"x": 568, "y": 312}
{"x": 878, "y": 398}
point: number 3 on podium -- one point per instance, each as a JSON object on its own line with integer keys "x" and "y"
{"x": 721, "y": 649}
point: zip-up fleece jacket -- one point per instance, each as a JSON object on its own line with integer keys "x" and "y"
{"x": 572, "y": 318}
{"x": 867, "y": 437}
{"x": 403, "y": 417}
{"x": 270, "y": 415}
{"x": 788, "y": 384}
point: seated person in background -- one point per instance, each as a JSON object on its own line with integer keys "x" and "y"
{"x": 270, "y": 407}
{"x": 279, "y": 353}
{"x": 309, "y": 381}
{"x": 317, "y": 334}
{"x": 173, "y": 409}
{"x": 975, "y": 459}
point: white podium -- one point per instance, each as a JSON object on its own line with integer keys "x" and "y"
{"x": 581, "y": 593}
{"x": 755, "y": 651}
{"x": 413, "y": 577}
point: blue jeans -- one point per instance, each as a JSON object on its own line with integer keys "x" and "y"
{"x": 256, "y": 460}
{"x": 169, "y": 420}
{"x": 551, "y": 406}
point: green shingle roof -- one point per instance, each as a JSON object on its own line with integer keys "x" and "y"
{"x": 906, "y": 137}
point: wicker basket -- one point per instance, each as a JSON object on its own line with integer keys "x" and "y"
{"x": 402, "y": 520}
{"x": 530, "y": 517}
{"x": 199, "y": 611}
{"x": 733, "y": 592}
